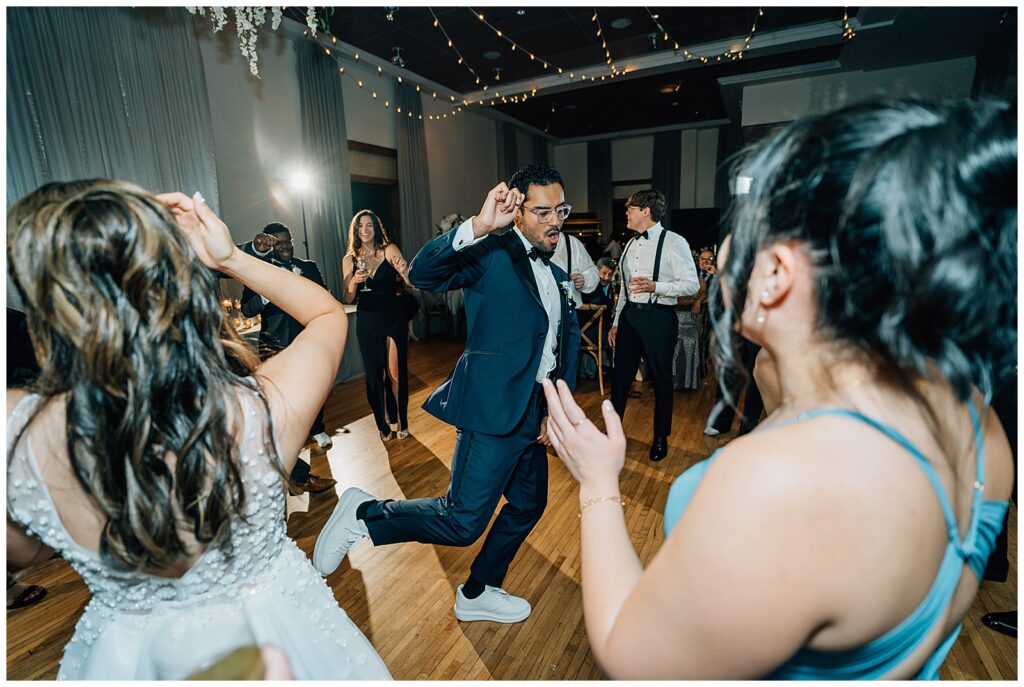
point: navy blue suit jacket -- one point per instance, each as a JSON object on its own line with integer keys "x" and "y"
{"x": 492, "y": 382}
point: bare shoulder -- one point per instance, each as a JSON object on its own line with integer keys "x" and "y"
{"x": 392, "y": 250}
{"x": 808, "y": 466}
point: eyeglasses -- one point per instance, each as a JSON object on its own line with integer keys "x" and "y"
{"x": 544, "y": 214}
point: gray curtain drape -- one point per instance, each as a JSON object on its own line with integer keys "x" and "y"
{"x": 107, "y": 92}
{"x": 508, "y": 155}
{"x": 599, "y": 183}
{"x": 666, "y": 166}
{"x": 540, "y": 150}
{"x": 329, "y": 207}
{"x": 413, "y": 175}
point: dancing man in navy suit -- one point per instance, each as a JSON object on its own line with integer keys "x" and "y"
{"x": 521, "y": 329}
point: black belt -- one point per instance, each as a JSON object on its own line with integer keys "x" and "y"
{"x": 650, "y": 306}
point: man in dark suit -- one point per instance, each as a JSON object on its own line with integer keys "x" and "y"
{"x": 604, "y": 295}
{"x": 521, "y": 330}
{"x": 278, "y": 329}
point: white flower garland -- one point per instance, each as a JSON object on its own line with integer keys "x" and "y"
{"x": 247, "y": 22}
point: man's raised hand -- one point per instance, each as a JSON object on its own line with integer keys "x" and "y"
{"x": 498, "y": 210}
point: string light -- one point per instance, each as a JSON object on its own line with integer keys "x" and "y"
{"x": 848, "y": 32}
{"x": 322, "y": 41}
{"x": 533, "y": 58}
{"x": 451, "y": 44}
{"x": 732, "y": 53}
{"x": 604, "y": 44}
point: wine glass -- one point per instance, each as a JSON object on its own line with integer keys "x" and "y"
{"x": 363, "y": 267}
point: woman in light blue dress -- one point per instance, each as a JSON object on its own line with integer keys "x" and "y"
{"x": 874, "y": 259}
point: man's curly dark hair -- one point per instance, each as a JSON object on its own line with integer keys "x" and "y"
{"x": 541, "y": 175}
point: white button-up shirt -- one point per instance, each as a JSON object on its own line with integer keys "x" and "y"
{"x": 546, "y": 286}
{"x": 677, "y": 277}
{"x": 581, "y": 262}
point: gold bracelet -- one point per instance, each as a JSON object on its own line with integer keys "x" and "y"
{"x": 590, "y": 502}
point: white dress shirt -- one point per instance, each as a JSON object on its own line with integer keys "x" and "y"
{"x": 581, "y": 262}
{"x": 677, "y": 277}
{"x": 546, "y": 286}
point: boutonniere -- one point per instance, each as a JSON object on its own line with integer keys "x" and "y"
{"x": 297, "y": 270}
{"x": 567, "y": 289}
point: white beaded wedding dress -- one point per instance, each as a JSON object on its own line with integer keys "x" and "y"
{"x": 140, "y": 626}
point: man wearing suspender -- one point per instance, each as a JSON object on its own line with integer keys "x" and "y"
{"x": 656, "y": 268}
{"x": 571, "y": 255}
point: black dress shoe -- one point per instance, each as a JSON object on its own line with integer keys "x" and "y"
{"x": 659, "y": 449}
{"x": 1004, "y": 622}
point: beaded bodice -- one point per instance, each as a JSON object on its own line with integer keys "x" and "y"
{"x": 256, "y": 540}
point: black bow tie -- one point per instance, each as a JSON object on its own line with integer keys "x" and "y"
{"x": 543, "y": 256}
{"x": 641, "y": 234}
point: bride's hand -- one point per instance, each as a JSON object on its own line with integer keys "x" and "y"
{"x": 205, "y": 232}
{"x": 594, "y": 458}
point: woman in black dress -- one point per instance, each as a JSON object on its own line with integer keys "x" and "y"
{"x": 376, "y": 276}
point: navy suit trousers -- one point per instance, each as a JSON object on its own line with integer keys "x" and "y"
{"x": 484, "y": 468}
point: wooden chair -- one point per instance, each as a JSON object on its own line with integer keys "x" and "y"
{"x": 595, "y": 349}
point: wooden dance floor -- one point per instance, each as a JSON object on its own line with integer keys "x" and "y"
{"x": 401, "y": 596}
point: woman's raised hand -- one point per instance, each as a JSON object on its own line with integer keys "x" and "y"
{"x": 206, "y": 233}
{"x": 594, "y": 458}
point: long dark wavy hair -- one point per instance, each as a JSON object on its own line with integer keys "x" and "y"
{"x": 126, "y": 324}
{"x": 380, "y": 235}
{"x": 908, "y": 212}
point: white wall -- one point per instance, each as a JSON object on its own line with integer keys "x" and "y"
{"x": 256, "y": 129}
{"x": 571, "y": 162}
{"x": 462, "y": 159}
{"x": 784, "y": 101}
{"x": 366, "y": 118}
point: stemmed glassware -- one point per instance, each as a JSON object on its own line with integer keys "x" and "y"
{"x": 363, "y": 267}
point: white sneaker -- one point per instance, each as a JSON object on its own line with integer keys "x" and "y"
{"x": 323, "y": 440}
{"x": 494, "y": 604}
{"x": 342, "y": 531}
{"x": 711, "y": 431}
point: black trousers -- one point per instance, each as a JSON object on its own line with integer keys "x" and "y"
{"x": 484, "y": 468}
{"x": 722, "y": 415}
{"x": 300, "y": 473}
{"x": 651, "y": 332}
